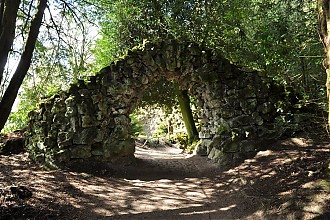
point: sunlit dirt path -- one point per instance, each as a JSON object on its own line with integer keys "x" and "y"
{"x": 283, "y": 182}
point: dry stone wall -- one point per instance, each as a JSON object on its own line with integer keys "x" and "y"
{"x": 91, "y": 119}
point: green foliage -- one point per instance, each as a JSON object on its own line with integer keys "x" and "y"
{"x": 161, "y": 93}
{"x": 162, "y": 130}
{"x": 278, "y": 37}
{"x": 302, "y": 116}
{"x": 192, "y": 146}
{"x": 325, "y": 185}
{"x": 59, "y": 59}
{"x": 29, "y": 98}
{"x": 136, "y": 126}
{"x": 180, "y": 138}
{"x": 275, "y": 36}
{"x": 16, "y": 121}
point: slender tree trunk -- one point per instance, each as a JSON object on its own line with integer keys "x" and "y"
{"x": 324, "y": 31}
{"x": 23, "y": 65}
{"x": 2, "y": 10}
{"x": 184, "y": 102}
{"x": 8, "y": 12}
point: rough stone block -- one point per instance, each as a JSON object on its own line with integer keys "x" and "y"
{"x": 97, "y": 150}
{"x": 119, "y": 148}
{"x": 70, "y": 111}
{"x": 86, "y": 136}
{"x": 239, "y": 121}
{"x": 64, "y": 144}
{"x": 265, "y": 107}
{"x": 249, "y": 146}
{"x": 204, "y": 135}
{"x": 216, "y": 155}
{"x": 202, "y": 147}
{"x": 85, "y": 107}
{"x": 100, "y": 134}
{"x": 231, "y": 147}
{"x": 80, "y": 151}
{"x": 87, "y": 122}
{"x": 62, "y": 156}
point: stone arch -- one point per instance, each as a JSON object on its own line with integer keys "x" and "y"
{"x": 91, "y": 119}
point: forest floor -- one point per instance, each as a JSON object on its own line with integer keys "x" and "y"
{"x": 286, "y": 181}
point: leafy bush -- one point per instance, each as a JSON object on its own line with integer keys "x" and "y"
{"x": 17, "y": 120}
{"x": 136, "y": 126}
{"x": 182, "y": 139}
{"x": 162, "y": 130}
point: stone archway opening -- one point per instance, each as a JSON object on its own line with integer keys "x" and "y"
{"x": 158, "y": 119}
{"x": 91, "y": 119}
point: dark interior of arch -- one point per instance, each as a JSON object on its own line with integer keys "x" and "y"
{"x": 91, "y": 119}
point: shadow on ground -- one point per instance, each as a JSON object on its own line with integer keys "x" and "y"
{"x": 286, "y": 181}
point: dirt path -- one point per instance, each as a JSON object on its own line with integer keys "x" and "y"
{"x": 283, "y": 182}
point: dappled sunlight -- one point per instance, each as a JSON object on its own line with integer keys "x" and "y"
{"x": 167, "y": 184}
{"x": 134, "y": 196}
{"x": 205, "y": 212}
{"x": 159, "y": 153}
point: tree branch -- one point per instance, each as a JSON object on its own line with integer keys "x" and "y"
{"x": 26, "y": 21}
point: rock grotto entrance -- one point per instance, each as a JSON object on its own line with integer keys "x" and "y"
{"x": 91, "y": 119}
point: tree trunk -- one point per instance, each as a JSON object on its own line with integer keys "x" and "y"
{"x": 23, "y": 65}
{"x": 8, "y": 12}
{"x": 184, "y": 102}
{"x": 324, "y": 32}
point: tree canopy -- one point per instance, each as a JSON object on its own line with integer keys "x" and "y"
{"x": 279, "y": 37}
{"x": 49, "y": 48}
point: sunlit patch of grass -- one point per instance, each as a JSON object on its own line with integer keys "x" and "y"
{"x": 325, "y": 185}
